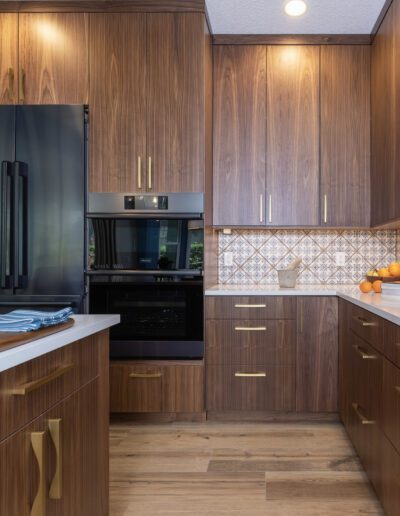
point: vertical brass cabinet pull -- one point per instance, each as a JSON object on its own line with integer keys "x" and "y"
{"x": 363, "y": 354}
{"x": 55, "y": 429}
{"x": 270, "y": 209}
{"x": 22, "y": 85}
{"x": 10, "y": 91}
{"x": 150, "y": 172}
{"x": 39, "y": 503}
{"x": 244, "y": 374}
{"x": 325, "y": 209}
{"x": 364, "y": 323}
{"x": 361, "y": 417}
{"x": 139, "y": 172}
{"x": 261, "y": 208}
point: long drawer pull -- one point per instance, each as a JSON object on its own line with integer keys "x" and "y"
{"x": 250, "y": 328}
{"x": 364, "y": 322}
{"x": 363, "y": 354}
{"x": 39, "y": 503}
{"x": 361, "y": 417}
{"x": 251, "y": 306}
{"x": 259, "y": 374}
{"x": 55, "y": 430}
{"x": 29, "y": 387}
{"x": 145, "y": 375}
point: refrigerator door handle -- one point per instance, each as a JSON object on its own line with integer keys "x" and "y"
{"x": 6, "y": 280}
{"x": 20, "y": 224}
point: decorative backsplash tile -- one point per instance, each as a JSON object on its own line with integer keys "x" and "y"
{"x": 257, "y": 254}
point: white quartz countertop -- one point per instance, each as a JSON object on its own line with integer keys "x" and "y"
{"x": 84, "y": 326}
{"x": 387, "y": 307}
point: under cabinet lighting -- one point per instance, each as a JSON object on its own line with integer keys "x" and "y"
{"x": 295, "y": 8}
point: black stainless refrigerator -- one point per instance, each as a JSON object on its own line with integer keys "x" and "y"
{"x": 42, "y": 207}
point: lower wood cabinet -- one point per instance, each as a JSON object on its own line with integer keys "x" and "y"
{"x": 156, "y": 386}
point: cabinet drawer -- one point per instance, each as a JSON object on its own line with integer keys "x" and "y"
{"x": 367, "y": 326}
{"x": 250, "y": 307}
{"x": 391, "y": 403}
{"x": 390, "y": 479}
{"x": 268, "y": 342}
{"x": 391, "y": 342}
{"x": 249, "y": 387}
{"x": 28, "y": 390}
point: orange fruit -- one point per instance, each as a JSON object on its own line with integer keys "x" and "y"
{"x": 366, "y": 286}
{"x": 377, "y": 286}
{"x": 384, "y": 272}
{"x": 394, "y": 269}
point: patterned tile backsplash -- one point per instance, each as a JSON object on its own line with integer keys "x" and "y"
{"x": 257, "y": 254}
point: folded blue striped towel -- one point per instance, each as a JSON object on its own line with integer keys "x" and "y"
{"x": 29, "y": 320}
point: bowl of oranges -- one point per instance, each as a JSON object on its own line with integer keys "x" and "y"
{"x": 376, "y": 277}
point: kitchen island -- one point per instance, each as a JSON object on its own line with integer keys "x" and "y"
{"x": 54, "y": 414}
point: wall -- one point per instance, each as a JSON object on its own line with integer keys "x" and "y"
{"x": 257, "y": 254}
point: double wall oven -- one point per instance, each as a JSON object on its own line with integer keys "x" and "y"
{"x": 146, "y": 264}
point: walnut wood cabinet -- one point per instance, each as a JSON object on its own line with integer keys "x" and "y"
{"x": 8, "y": 58}
{"x": 148, "y": 101}
{"x": 57, "y": 462}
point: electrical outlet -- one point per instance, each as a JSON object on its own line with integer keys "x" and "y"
{"x": 340, "y": 259}
{"x": 228, "y": 259}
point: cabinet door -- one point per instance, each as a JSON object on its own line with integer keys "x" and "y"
{"x": 345, "y": 135}
{"x": 53, "y": 58}
{"x": 293, "y": 135}
{"x": 317, "y": 354}
{"x": 117, "y": 102}
{"x": 175, "y": 89}
{"x": 8, "y": 58}
{"x": 239, "y": 135}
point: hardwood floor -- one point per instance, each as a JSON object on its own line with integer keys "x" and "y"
{"x": 243, "y": 469}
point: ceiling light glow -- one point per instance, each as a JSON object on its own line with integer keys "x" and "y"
{"x": 295, "y": 8}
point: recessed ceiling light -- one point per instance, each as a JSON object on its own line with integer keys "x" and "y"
{"x": 295, "y": 8}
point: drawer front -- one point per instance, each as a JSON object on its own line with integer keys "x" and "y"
{"x": 390, "y": 496}
{"x": 28, "y": 390}
{"x": 391, "y": 342}
{"x": 268, "y": 342}
{"x": 250, "y": 307}
{"x": 391, "y": 403}
{"x": 249, "y": 387}
{"x": 135, "y": 388}
{"x": 368, "y": 326}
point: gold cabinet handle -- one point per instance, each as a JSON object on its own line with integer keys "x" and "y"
{"x": 250, "y": 328}
{"x": 39, "y": 503}
{"x": 145, "y": 375}
{"x": 139, "y": 173}
{"x": 361, "y": 417}
{"x": 270, "y": 209}
{"x": 261, "y": 208}
{"x": 149, "y": 172}
{"x": 29, "y": 387}
{"x": 325, "y": 209}
{"x": 364, "y": 322}
{"x": 244, "y": 374}
{"x": 55, "y": 492}
{"x": 251, "y": 306}
{"x": 364, "y": 354}
{"x": 10, "y": 90}
{"x": 22, "y": 85}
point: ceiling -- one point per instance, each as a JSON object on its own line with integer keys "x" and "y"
{"x": 268, "y": 17}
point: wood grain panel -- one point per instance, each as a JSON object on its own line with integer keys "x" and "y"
{"x": 265, "y": 342}
{"x": 117, "y": 102}
{"x": 343, "y": 362}
{"x": 345, "y": 135}
{"x": 292, "y": 39}
{"x": 250, "y": 307}
{"x": 8, "y": 58}
{"x": 367, "y": 325}
{"x": 53, "y": 58}
{"x": 391, "y": 342}
{"x": 293, "y": 135}
{"x": 239, "y": 135}
{"x": 183, "y": 388}
{"x": 391, "y": 403}
{"x": 176, "y": 102}
{"x": 390, "y": 478}
{"x": 317, "y": 355}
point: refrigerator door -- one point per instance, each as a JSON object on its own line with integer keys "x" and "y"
{"x": 49, "y": 174}
{"x": 7, "y": 157}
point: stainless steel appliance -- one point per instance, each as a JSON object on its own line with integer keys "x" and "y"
{"x": 42, "y": 210}
{"x": 146, "y": 264}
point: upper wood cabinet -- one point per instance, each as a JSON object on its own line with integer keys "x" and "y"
{"x": 293, "y": 135}
{"x": 53, "y": 58}
{"x": 385, "y": 128}
{"x": 239, "y": 135}
{"x": 8, "y": 58}
{"x": 345, "y": 135}
{"x": 147, "y": 102}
